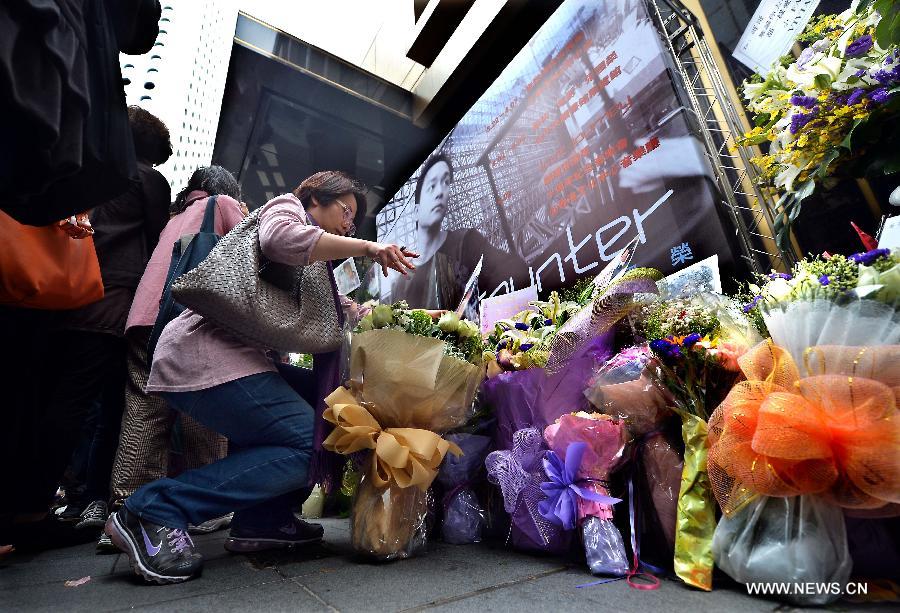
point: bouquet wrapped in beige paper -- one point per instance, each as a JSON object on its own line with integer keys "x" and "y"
{"x": 409, "y": 382}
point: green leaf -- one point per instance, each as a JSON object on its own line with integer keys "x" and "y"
{"x": 805, "y": 191}
{"x": 887, "y": 32}
{"x": 761, "y": 119}
{"x": 823, "y": 81}
{"x": 826, "y": 161}
{"x": 759, "y": 138}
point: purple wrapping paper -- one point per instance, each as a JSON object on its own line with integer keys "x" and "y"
{"x": 519, "y": 472}
{"x": 533, "y": 399}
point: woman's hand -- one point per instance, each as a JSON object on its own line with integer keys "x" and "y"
{"x": 393, "y": 257}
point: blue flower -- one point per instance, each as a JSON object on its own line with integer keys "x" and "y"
{"x": 752, "y": 304}
{"x": 548, "y": 322}
{"x": 502, "y": 344}
{"x": 780, "y": 275}
{"x": 521, "y": 326}
{"x": 869, "y": 257}
{"x": 805, "y": 101}
{"x": 526, "y": 346}
{"x": 666, "y": 348}
{"x": 824, "y": 280}
{"x": 859, "y": 73}
{"x": 880, "y": 95}
{"x": 690, "y": 340}
{"x": 860, "y": 46}
{"x": 798, "y": 120}
{"x": 856, "y": 96}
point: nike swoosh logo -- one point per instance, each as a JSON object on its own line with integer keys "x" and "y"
{"x": 291, "y": 529}
{"x": 151, "y": 549}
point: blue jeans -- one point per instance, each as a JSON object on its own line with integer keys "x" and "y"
{"x": 270, "y": 433}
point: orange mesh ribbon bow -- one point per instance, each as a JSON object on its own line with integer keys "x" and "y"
{"x": 835, "y": 432}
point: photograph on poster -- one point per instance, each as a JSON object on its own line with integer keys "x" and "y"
{"x": 580, "y": 146}
{"x": 346, "y": 277}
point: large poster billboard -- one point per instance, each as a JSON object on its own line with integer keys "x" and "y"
{"x": 578, "y": 147}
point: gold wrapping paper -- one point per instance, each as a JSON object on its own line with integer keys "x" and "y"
{"x": 696, "y": 519}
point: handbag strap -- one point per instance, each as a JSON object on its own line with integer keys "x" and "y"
{"x": 209, "y": 217}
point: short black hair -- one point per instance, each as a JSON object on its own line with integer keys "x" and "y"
{"x": 150, "y": 135}
{"x": 431, "y": 161}
{"x": 214, "y": 180}
{"x": 329, "y": 185}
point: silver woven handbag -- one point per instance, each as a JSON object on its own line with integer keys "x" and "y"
{"x": 264, "y": 304}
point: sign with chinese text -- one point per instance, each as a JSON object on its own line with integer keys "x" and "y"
{"x": 772, "y": 30}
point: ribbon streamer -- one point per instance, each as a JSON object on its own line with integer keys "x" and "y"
{"x": 405, "y": 456}
{"x": 563, "y": 489}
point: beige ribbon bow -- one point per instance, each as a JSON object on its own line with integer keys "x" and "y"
{"x": 407, "y": 456}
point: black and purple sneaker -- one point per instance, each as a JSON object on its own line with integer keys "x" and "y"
{"x": 158, "y": 554}
{"x": 294, "y": 532}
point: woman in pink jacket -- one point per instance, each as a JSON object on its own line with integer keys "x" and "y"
{"x": 235, "y": 389}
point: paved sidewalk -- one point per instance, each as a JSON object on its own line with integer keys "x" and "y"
{"x": 330, "y": 578}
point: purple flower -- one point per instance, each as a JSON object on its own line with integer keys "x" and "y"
{"x": 869, "y": 257}
{"x": 880, "y": 95}
{"x": 798, "y": 120}
{"x": 856, "y": 96}
{"x": 752, "y": 304}
{"x": 502, "y": 344}
{"x": 824, "y": 280}
{"x": 665, "y": 348}
{"x": 859, "y": 73}
{"x": 886, "y": 77}
{"x": 860, "y": 46}
{"x": 805, "y": 101}
{"x": 521, "y": 326}
{"x": 690, "y": 340}
{"x": 805, "y": 57}
{"x": 526, "y": 346}
{"x": 548, "y": 322}
{"x": 780, "y": 275}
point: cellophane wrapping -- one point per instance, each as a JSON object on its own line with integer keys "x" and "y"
{"x": 798, "y": 539}
{"x": 464, "y": 517}
{"x": 388, "y": 523}
{"x": 622, "y": 389}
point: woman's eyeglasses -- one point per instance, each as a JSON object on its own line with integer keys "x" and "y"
{"x": 348, "y": 216}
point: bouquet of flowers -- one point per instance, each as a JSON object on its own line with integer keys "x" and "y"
{"x": 524, "y": 340}
{"x": 696, "y": 342}
{"x": 580, "y": 337}
{"x": 584, "y": 449}
{"x": 410, "y": 380}
{"x": 830, "y": 109}
{"x": 816, "y": 423}
{"x": 623, "y": 389}
{"x": 519, "y": 389}
{"x": 830, "y": 300}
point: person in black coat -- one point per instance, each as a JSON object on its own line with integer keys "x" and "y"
{"x": 87, "y": 352}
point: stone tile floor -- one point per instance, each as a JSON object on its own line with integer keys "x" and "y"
{"x": 329, "y": 577}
